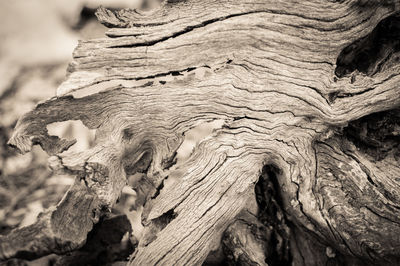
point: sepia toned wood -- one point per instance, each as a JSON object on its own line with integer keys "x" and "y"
{"x": 60, "y": 229}
{"x": 248, "y": 241}
{"x": 103, "y": 245}
{"x": 286, "y": 77}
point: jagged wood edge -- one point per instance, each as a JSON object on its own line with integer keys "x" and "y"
{"x": 60, "y": 229}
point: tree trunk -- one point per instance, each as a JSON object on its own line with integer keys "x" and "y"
{"x": 308, "y": 92}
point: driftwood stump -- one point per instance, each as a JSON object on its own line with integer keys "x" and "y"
{"x": 308, "y": 92}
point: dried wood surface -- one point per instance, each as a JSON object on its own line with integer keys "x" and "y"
{"x": 58, "y": 230}
{"x": 270, "y": 71}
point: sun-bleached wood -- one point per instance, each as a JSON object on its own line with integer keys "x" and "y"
{"x": 268, "y": 71}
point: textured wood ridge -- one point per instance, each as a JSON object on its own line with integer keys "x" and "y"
{"x": 268, "y": 69}
{"x": 58, "y": 230}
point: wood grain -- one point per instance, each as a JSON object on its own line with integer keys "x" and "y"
{"x": 268, "y": 71}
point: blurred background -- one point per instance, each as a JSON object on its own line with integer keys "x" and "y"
{"x": 37, "y": 41}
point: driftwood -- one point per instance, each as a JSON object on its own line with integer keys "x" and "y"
{"x": 307, "y": 89}
{"x": 103, "y": 245}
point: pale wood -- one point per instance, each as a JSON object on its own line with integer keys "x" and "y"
{"x": 270, "y": 76}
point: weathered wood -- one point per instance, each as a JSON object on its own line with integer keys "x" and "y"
{"x": 246, "y": 242}
{"x": 104, "y": 244}
{"x": 284, "y": 76}
{"x": 58, "y": 230}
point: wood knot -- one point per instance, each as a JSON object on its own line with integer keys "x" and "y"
{"x": 96, "y": 172}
